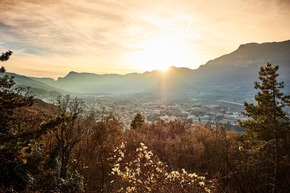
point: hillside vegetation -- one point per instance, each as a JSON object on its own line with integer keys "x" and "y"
{"x": 62, "y": 148}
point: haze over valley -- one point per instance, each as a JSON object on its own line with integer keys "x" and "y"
{"x": 131, "y": 96}
{"x": 216, "y": 90}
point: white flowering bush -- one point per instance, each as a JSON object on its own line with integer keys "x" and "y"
{"x": 141, "y": 171}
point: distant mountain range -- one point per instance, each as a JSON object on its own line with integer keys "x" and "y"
{"x": 229, "y": 76}
{"x": 37, "y": 87}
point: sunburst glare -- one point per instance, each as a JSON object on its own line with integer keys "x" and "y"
{"x": 161, "y": 52}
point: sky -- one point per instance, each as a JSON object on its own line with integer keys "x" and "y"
{"x": 50, "y": 38}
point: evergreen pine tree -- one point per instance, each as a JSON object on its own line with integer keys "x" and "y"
{"x": 267, "y": 119}
{"x": 137, "y": 122}
{"x": 13, "y": 174}
{"x": 267, "y": 134}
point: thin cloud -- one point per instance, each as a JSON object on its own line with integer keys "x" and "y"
{"x": 97, "y": 34}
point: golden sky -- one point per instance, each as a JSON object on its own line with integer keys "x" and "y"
{"x": 49, "y": 38}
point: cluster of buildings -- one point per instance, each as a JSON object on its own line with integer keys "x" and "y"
{"x": 124, "y": 108}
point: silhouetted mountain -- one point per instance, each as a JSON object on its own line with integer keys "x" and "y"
{"x": 231, "y": 75}
{"x": 108, "y": 83}
{"x": 37, "y": 87}
{"x": 236, "y": 72}
{"x": 243, "y": 64}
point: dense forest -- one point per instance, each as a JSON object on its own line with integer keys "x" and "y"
{"x": 61, "y": 148}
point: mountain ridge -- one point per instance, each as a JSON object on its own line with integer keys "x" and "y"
{"x": 237, "y": 69}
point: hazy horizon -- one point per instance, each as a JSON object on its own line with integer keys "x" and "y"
{"x": 142, "y": 72}
{"x": 50, "y": 39}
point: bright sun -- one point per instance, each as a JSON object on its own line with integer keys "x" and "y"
{"x": 161, "y": 52}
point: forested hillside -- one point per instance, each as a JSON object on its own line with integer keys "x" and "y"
{"x": 62, "y": 148}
